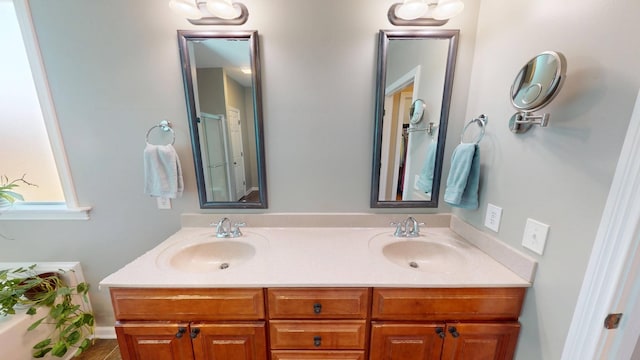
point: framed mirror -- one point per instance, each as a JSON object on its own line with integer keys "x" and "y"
{"x": 408, "y": 154}
{"x": 221, "y": 73}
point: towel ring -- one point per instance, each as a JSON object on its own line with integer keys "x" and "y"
{"x": 165, "y": 125}
{"x": 482, "y": 122}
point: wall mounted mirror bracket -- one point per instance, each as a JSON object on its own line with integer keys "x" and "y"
{"x": 522, "y": 121}
{"x": 535, "y": 86}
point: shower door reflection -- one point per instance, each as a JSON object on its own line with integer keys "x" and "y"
{"x": 215, "y": 155}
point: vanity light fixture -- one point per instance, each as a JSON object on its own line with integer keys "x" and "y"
{"x": 424, "y": 12}
{"x": 211, "y": 12}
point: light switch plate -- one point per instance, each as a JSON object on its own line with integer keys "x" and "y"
{"x": 535, "y": 236}
{"x": 492, "y": 218}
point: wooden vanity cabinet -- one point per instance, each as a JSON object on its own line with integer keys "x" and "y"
{"x": 430, "y": 324}
{"x": 182, "y": 324}
{"x": 318, "y": 323}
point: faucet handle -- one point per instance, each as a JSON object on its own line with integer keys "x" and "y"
{"x": 235, "y": 231}
{"x": 399, "y": 230}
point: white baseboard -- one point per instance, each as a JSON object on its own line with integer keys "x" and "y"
{"x": 105, "y": 332}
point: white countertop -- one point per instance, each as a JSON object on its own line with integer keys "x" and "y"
{"x": 317, "y": 257}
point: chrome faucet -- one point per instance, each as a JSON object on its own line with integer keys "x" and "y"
{"x": 414, "y": 230}
{"x": 407, "y": 228}
{"x": 221, "y": 230}
{"x": 225, "y": 230}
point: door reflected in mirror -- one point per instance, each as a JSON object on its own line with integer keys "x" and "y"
{"x": 222, "y": 87}
{"x": 415, "y": 69}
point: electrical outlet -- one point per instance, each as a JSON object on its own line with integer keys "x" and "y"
{"x": 535, "y": 236}
{"x": 163, "y": 203}
{"x": 492, "y": 219}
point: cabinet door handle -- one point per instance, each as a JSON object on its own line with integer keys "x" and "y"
{"x": 181, "y": 331}
{"x": 317, "y": 341}
{"x": 194, "y": 333}
{"x": 317, "y": 308}
{"x": 440, "y": 332}
{"x": 454, "y": 331}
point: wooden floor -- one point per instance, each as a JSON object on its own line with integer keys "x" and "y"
{"x": 103, "y": 349}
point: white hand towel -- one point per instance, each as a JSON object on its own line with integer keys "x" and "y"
{"x": 162, "y": 171}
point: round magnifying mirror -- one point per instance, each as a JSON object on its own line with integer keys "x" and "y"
{"x": 417, "y": 111}
{"x": 538, "y": 81}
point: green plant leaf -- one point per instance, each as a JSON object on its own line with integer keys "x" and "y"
{"x": 63, "y": 291}
{"x": 82, "y": 288}
{"x": 59, "y": 349}
{"x": 35, "y": 324}
{"x": 32, "y": 310}
{"x": 88, "y": 319}
{"x": 84, "y": 346}
{"x": 73, "y": 337}
{"x": 42, "y": 344}
{"x": 40, "y": 353}
{"x": 56, "y": 311}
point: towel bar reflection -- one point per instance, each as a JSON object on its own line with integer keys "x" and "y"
{"x": 164, "y": 125}
{"x": 482, "y": 122}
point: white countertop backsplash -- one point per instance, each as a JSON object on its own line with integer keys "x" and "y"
{"x": 314, "y": 255}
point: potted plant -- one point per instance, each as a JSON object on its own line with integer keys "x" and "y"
{"x": 73, "y": 326}
{"x": 7, "y": 190}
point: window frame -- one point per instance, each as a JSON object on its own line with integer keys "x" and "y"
{"x": 70, "y": 208}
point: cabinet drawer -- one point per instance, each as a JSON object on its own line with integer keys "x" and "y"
{"x": 320, "y": 303}
{"x": 187, "y": 304}
{"x": 316, "y": 355}
{"x": 447, "y": 304}
{"x": 318, "y": 334}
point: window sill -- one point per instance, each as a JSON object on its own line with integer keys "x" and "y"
{"x": 44, "y": 211}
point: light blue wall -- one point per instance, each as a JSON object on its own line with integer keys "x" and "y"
{"x": 559, "y": 175}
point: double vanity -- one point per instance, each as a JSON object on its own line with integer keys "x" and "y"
{"x": 330, "y": 292}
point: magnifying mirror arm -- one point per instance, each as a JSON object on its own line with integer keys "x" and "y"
{"x": 521, "y": 121}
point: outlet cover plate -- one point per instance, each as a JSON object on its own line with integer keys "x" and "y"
{"x": 535, "y": 236}
{"x": 163, "y": 203}
{"x": 492, "y": 218}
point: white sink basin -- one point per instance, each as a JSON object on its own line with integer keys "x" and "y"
{"x": 427, "y": 252}
{"x": 209, "y": 254}
{"x": 423, "y": 255}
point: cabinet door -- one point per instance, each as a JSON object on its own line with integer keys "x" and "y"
{"x": 237, "y": 341}
{"x": 158, "y": 341}
{"x": 465, "y": 341}
{"x": 406, "y": 341}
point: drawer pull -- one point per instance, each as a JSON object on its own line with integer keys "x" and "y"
{"x": 317, "y": 341}
{"x": 454, "y": 332}
{"x": 180, "y": 333}
{"x": 194, "y": 333}
{"x": 317, "y": 308}
{"x": 440, "y": 332}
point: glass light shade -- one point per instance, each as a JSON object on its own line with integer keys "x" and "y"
{"x": 447, "y": 9}
{"x": 223, "y": 9}
{"x": 186, "y": 8}
{"x": 412, "y": 9}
